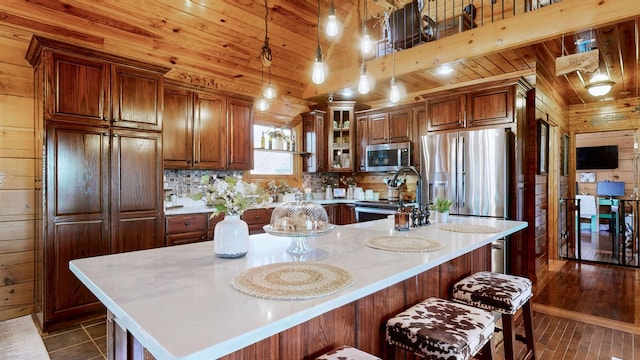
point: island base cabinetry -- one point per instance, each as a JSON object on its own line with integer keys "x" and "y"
{"x": 359, "y": 324}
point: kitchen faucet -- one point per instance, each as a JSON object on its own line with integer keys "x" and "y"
{"x": 419, "y": 184}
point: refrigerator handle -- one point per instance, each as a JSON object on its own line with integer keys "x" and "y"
{"x": 463, "y": 174}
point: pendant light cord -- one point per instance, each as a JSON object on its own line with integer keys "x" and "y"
{"x": 318, "y": 26}
{"x": 266, "y": 50}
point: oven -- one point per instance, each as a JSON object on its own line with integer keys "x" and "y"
{"x": 375, "y": 210}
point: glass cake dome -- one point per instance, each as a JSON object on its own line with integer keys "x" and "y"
{"x": 299, "y": 219}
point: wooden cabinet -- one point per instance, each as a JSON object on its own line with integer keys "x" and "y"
{"x": 137, "y": 204}
{"x": 315, "y": 141}
{"x": 195, "y": 129}
{"x": 341, "y": 140}
{"x": 211, "y": 224}
{"x": 186, "y": 228}
{"x": 363, "y": 141}
{"x": 390, "y": 127}
{"x": 340, "y": 214}
{"x": 490, "y": 107}
{"x": 101, "y": 168}
{"x": 256, "y": 219}
{"x": 239, "y": 135}
{"x": 446, "y": 112}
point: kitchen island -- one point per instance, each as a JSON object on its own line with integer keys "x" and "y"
{"x": 178, "y": 302}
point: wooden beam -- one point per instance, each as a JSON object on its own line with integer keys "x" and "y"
{"x": 567, "y": 16}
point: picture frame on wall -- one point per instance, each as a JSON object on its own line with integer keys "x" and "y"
{"x": 543, "y": 147}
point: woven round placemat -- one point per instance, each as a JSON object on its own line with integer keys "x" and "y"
{"x": 469, "y": 228}
{"x": 292, "y": 280}
{"x": 403, "y": 244}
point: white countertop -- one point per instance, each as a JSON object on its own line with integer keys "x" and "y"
{"x": 178, "y": 301}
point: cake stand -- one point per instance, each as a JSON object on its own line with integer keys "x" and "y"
{"x": 298, "y": 244}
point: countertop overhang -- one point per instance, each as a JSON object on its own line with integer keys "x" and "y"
{"x": 178, "y": 302}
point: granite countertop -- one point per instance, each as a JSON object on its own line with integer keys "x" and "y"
{"x": 178, "y": 301}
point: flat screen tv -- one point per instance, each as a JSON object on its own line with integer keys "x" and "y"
{"x": 610, "y": 188}
{"x": 597, "y": 157}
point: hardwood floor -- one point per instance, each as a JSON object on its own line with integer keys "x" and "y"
{"x": 581, "y": 312}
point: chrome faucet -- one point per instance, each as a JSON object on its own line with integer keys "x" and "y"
{"x": 419, "y": 184}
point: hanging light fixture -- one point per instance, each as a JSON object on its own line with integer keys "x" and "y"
{"x": 317, "y": 76}
{"x": 269, "y": 92}
{"x": 365, "y": 42}
{"x": 332, "y": 22}
{"x": 363, "y": 84}
{"x": 394, "y": 92}
{"x": 599, "y": 85}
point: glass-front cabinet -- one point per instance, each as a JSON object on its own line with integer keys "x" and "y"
{"x": 342, "y": 132}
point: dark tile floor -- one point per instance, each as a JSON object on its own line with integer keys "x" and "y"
{"x": 87, "y": 341}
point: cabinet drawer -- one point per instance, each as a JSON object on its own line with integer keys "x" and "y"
{"x": 185, "y": 223}
{"x": 185, "y": 238}
{"x": 257, "y": 217}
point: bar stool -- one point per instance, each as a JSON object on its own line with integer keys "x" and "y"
{"x": 441, "y": 329}
{"x": 505, "y": 294}
{"x": 347, "y": 353}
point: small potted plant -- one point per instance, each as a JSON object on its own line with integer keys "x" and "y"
{"x": 441, "y": 207}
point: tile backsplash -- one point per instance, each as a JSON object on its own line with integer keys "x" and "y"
{"x": 185, "y": 183}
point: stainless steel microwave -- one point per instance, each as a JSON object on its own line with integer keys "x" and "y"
{"x": 387, "y": 157}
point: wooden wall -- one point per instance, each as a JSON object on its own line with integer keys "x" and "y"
{"x": 624, "y": 139}
{"x": 16, "y": 176}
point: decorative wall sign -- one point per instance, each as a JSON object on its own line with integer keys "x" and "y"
{"x": 543, "y": 147}
{"x": 587, "y": 177}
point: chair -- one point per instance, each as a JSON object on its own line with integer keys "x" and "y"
{"x": 409, "y": 27}
{"x": 589, "y": 210}
{"x": 347, "y": 353}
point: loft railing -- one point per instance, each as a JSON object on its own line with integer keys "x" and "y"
{"x": 421, "y": 21}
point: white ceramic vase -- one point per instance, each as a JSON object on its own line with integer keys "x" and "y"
{"x": 231, "y": 237}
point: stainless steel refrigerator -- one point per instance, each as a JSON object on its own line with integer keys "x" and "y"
{"x": 469, "y": 167}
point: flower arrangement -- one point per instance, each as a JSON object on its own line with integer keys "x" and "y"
{"x": 350, "y": 180}
{"x": 328, "y": 181}
{"x": 274, "y": 188}
{"x": 233, "y": 195}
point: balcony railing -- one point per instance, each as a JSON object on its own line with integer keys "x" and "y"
{"x": 423, "y": 21}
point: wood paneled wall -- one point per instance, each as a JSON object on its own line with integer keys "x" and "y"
{"x": 16, "y": 176}
{"x": 624, "y": 139}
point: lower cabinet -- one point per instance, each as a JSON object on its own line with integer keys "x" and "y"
{"x": 341, "y": 214}
{"x": 190, "y": 228}
{"x": 256, "y": 219}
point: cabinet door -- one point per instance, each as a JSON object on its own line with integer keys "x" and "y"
{"x": 378, "y": 128}
{"x": 185, "y": 229}
{"x": 77, "y": 202}
{"x": 314, "y": 142}
{"x": 341, "y": 142}
{"x": 209, "y": 132}
{"x": 363, "y": 141}
{"x": 137, "y": 98}
{"x": 177, "y": 128}
{"x": 77, "y": 89}
{"x": 490, "y": 107}
{"x": 446, "y": 113}
{"x": 256, "y": 219}
{"x": 347, "y": 214}
{"x": 137, "y": 189}
{"x": 240, "y": 135}
{"x": 400, "y": 126}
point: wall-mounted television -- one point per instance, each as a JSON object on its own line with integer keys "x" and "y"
{"x": 610, "y": 188}
{"x": 597, "y": 157}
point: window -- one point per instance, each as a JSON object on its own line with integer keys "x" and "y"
{"x": 271, "y": 154}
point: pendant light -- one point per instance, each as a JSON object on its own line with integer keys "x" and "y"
{"x": 269, "y": 92}
{"x": 599, "y": 85}
{"x": 332, "y": 22}
{"x": 317, "y": 76}
{"x": 394, "y": 92}
{"x": 363, "y": 84}
{"x": 365, "y": 43}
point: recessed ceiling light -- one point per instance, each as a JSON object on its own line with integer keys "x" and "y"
{"x": 347, "y": 92}
{"x": 444, "y": 70}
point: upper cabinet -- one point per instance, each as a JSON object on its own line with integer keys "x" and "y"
{"x": 489, "y": 106}
{"x": 315, "y": 141}
{"x": 341, "y": 141}
{"x": 98, "y": 89}
{"x": 206, "y": 131}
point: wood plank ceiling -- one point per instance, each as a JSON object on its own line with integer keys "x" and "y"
{"x": 217, "y": 44}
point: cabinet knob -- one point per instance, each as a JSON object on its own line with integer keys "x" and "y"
{"x": 186, "y": 223}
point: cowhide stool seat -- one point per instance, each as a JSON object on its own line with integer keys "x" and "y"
{"x": 505, "y": 294}
{"x": 347, "y": 353}
{"x": 441, "y": 329}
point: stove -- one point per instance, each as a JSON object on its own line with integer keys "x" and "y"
{"x": 375, "y": 210}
